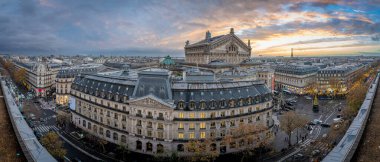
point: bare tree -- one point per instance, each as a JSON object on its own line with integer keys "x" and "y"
{"x": 53, "y": 144}
{"x": 291, "y": 121}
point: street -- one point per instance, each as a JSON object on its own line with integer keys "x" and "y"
{"x": 328, "y": 110}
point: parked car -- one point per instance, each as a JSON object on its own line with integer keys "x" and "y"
{"x": 308, "y": 98}
{"x": 338, "y": 120}
{"x": 317, "y": 121}
{"x": 325, "y": 125}
{"x": 315, "y": 152}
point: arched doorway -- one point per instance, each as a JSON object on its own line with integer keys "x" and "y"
{"x": 149, "y": 147}
{"x": 180, "y": 148}
{"x": 160, "y": 148}
{"x": 138, "y": 145}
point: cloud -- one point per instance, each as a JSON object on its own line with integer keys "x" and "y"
{"x": 376, "y": 37}
{"x": 71, "y": 26}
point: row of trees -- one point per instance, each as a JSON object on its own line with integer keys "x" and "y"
{"x": 19, "y": 75}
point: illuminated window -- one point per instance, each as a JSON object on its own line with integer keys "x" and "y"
{"x": 191, "y": 126}
{"x": 180, "y": 115}
{"x": 180, "y": 135}
{"x": 202, "y": 125}
{"x": 191, "y": 115}
{"x": 180, "y": 126}
{"x": 257, "y": 108}
{"x": 203, "y": 134}
{"x": 191, "y": 135}
{"x": 212, "y": 115}
{"x": 203, "y": 115}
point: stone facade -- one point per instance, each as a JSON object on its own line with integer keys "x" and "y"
{"x": 228, "y": 48}
{"x": 154, "y": 115}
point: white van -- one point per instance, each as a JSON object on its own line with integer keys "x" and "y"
{"x": 338, "y": 120}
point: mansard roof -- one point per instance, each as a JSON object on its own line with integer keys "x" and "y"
{"x": 214, "y": 40}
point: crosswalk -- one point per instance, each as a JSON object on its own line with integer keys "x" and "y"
{"x": 45, "y": 128}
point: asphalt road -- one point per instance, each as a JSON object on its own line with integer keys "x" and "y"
{"x": 328, "y": 110}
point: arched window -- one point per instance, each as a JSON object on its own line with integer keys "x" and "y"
{"x": 123, "y": 139}
{"x": 115, "y": 136}
{"x": 108, "y": 134}
{"x": 231, "y": 103}
{"x": 180, "y": 148}
{"x": 213, "y": 104}
{"x": 203, "y": 105}
{"x": 241, "y": 102}
{"x": 223, "y": 103}
{"x": 84, "y": 123}
{"x": 192, "y": 105}
{"x": 160, "y": 148}
{"x": 149, "y": 147}
{"x": 181, "y": 104}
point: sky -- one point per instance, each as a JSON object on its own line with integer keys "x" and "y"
{"x": 159, "y": 28}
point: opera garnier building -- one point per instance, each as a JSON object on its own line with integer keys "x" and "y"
{"x": 153, "y": 113}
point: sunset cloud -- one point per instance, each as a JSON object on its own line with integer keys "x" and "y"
{"x": 135, "y": 27}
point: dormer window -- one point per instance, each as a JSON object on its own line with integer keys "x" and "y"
{"x": 192, "y": 105}
{"x": 241, "y": 102}
{"x": 181, "y": 104}
{"x": 203, "y": 105}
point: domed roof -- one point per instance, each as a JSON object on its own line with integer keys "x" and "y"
{"x": 167, "y": 61}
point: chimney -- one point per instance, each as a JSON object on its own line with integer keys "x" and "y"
{"x": 249, "y": 43}
{"x": 232, "y": 31}
{"x": 208, "y": 35}
{"x": 187, "y": 43}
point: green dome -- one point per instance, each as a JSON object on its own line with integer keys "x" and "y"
{"x": 168, "y": 61}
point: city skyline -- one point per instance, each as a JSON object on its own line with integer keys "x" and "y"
{"x": 158, "y": 28}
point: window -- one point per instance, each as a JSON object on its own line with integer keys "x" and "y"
{"x": 212, "y": 115}
{"x": 160, "y": 126}
{"x": 203, "y": 134}
{"x": 241, "y": 111}
{"x": 181, "y": 104}
{"x": 191, "y": 135}
{"x": 203, "y": 105}
{"x": 180, "y": 125}
{"x": 149, "y": 133}
{"x": 115, "y": 136}
{"x": 180, "y": 115}
{"x": 149, "y": 125}
{"x": 212, "y": 125}
{"x": 138, "y": 123}
{"x": 232, "y": 113}
{"x": 191, "y": 115}
{"x": 108, "y": 134}
{"x": 202, "y": 125}
{"x": 180, "y": 135}
{"x": 202, "y": 115}
{"x": 232, "y": 123}
{"x": 139, "y": 131}
{"x": 192, "y": 105}
{"x": 223, "y": 114}
{"x": 192, "y": 126}
{"x": 223, "y": 124}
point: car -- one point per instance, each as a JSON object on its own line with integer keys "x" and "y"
{"x": 317, "y": 121}
{"x": 38, "y": 135}
{"x": 338, "y": 120}
{"x": 312, "y": 123}
{"x": 326, "y": 125}
{"x": 298, "y": 156}
{"x": 289, "y": 103}
{"x": 339, "y": 116}
{"x": 293, "y": 101}
{"x": 308, "y": 98}
{"x": 315, "y": 152}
